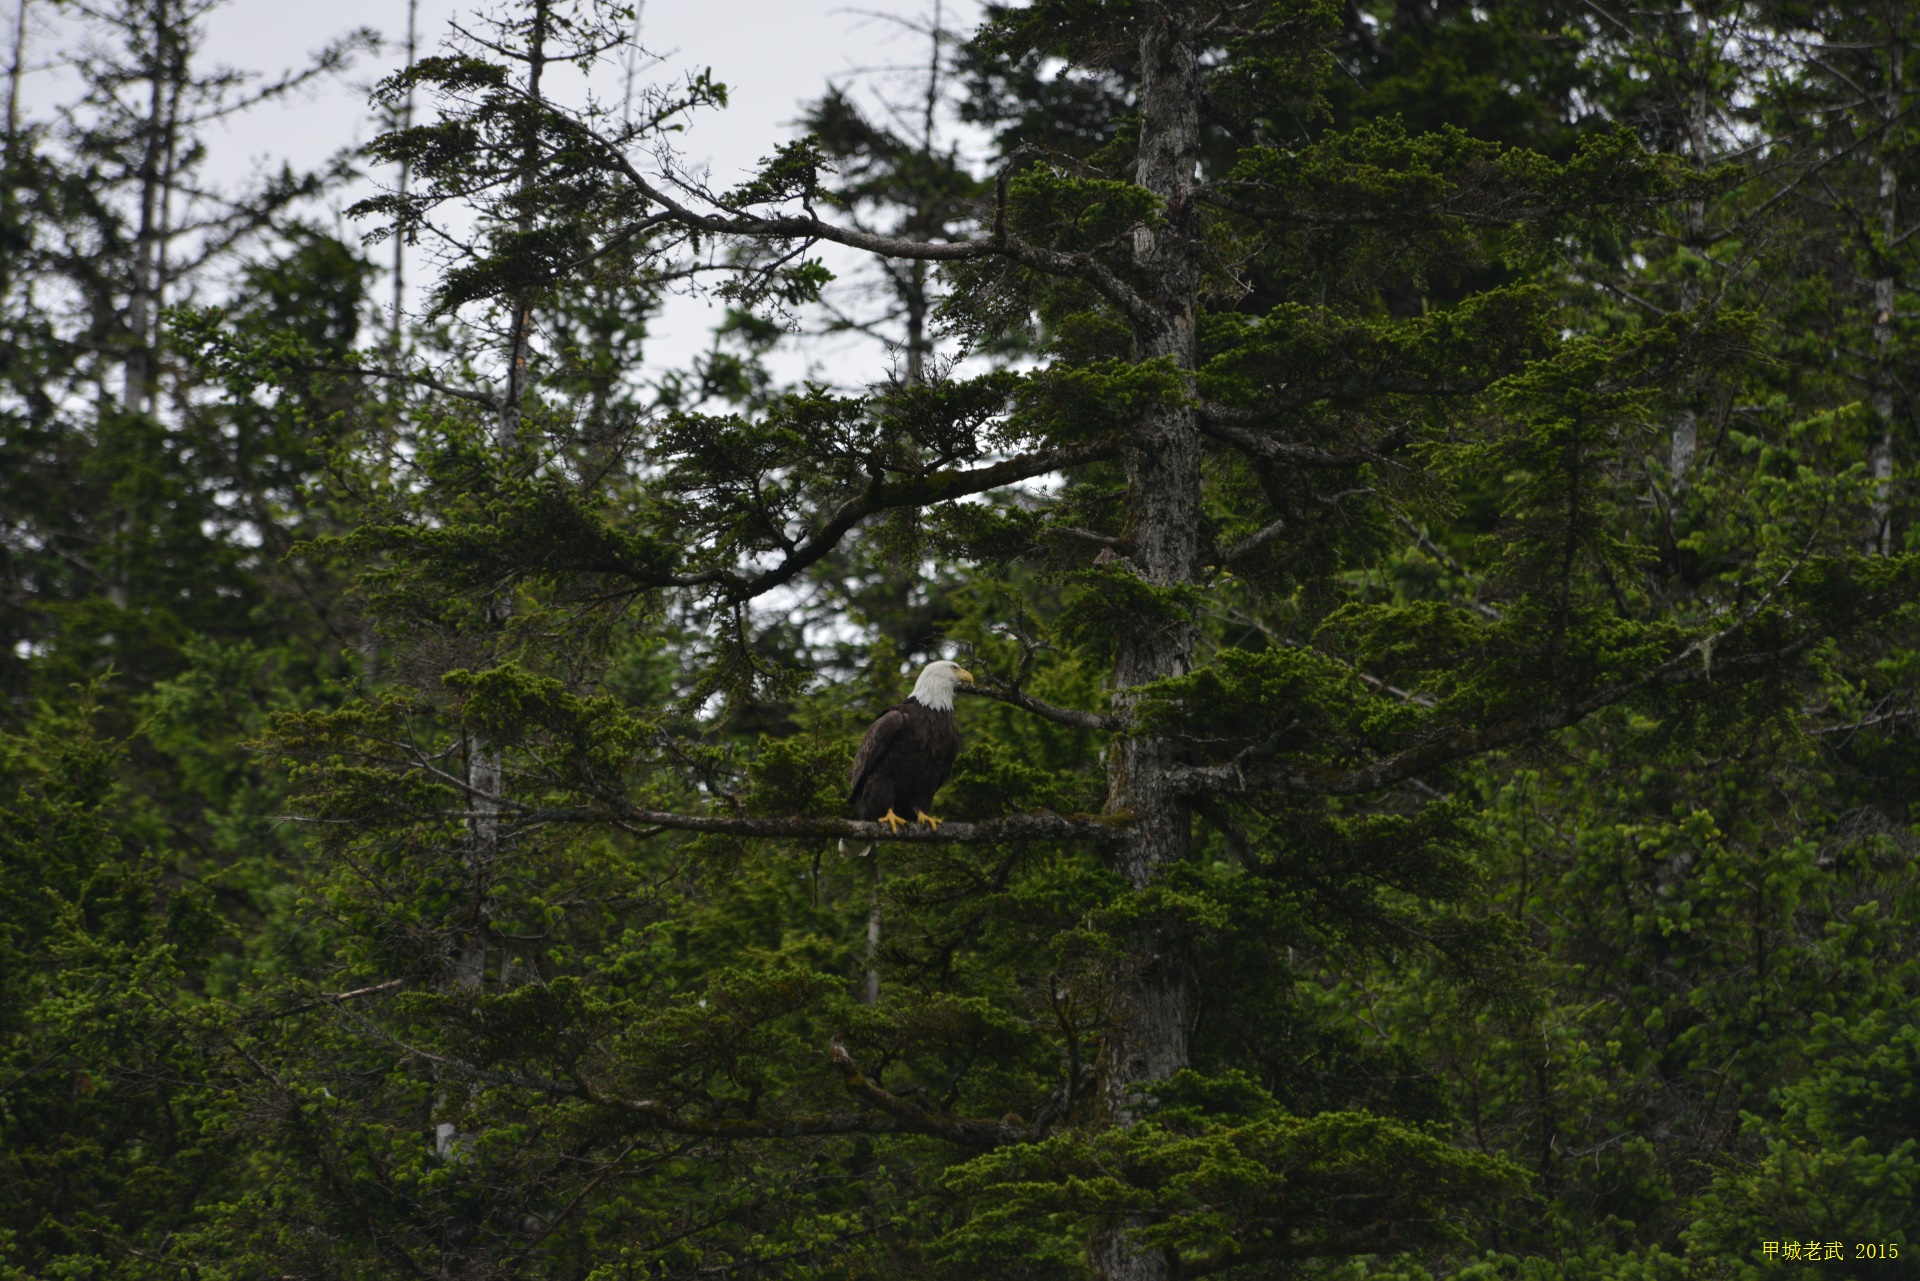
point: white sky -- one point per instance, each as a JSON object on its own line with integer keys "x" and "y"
{"x": 772, "y": 54}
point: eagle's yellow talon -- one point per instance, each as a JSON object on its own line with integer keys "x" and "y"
{"x": 893, "y": 821}
{"x": 929, "y": 820}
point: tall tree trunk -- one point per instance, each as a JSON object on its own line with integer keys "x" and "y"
{"x": 10, "y": 162}
{"x": 15, "y": 69}
{"x": 396, "y": 393}
{"x": 1880, "y": 455}
{"x": 870, "y": 989}
{"x": 486, "y": 764}
{"x": 137, "y": 391}
{"x": 486, "y": 773}
{"x": 163, "y": 231}
{"x": 1686, "y": 428}
{"x": 911, "y": 285}
{"x": 927, "y": 223}
{"x": 1148, "y": 1023}
{"x": 406, "y": 173}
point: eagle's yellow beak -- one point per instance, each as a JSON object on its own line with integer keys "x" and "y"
{"x": 962, "y": 674}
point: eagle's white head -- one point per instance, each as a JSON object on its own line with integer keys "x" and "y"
{"x": 935, "y": 687}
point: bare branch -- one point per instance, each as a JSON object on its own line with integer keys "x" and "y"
{"x": 808, "y": 227}
{"x": 1253, "y": 542}
{"x": 400, "y": 375}
{"x": 921, "y": 1120}
{"x": 1088, "y": 536}
{"x": 1012, "y": 693}
{"x": 1013, "y": 697}
{"x": 1434, "y": 550}
{"x": 1376, "y": 1236}
{"x": 327, "y": 999}
{"x": 882, "y": 495}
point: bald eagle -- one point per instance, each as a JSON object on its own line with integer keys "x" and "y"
{"x": 908, "y": 753}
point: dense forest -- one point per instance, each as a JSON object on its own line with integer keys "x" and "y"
{"x": 1424, "y": 490}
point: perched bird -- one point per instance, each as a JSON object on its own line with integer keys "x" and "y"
{"x": 907, "y": 754}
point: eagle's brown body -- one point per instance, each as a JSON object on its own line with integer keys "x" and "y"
{"x": 906, "y": 756}
{"x": 907, "y": 753}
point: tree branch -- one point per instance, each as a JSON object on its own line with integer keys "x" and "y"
{"x": 1440, "y": 554}
{"x": 1405, "y": 765}
{"x": 752, "y": 226}
{"x": 1011, "y": 691}
{"x": 1047, "y": 711}
{"x": 1376, "y": 1238}
{"x": 1253, "y": 542}
{"x": 328, "y": 999}
{"x": 882, "y": 495}
{"x": 1088, "y": 536}
{"x": 1013, "y": 827}
{"x": 921, "y": 1120}
{"x": 891, "y": 1114}
{"x": 400, "y": 375}
{"x": 1233, "y": 427}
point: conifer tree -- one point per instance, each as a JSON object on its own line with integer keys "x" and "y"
{"x": 115, "y": 480}
{"x": 1844, "y": 112}
{"x": 1213, "y": 739}
{"x": 149, "y": 619}
{"x": 1683, "y": 896}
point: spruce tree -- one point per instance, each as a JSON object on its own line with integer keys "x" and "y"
{"x": 132, "y": 508}
{"x": 1689, "y": 900}
{"x": 147, "y": 621}
{"x": 596, "y": 1007}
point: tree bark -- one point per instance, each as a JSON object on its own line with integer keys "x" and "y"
{"x": 10, "y": 162}
{"x": 486, "y": 764}
{"x": 1880, "y": 454}
{"x": 137, "y": 391}
{"x": 406, "y": 174}
{"x": 1685, "y": 437}
{"x": 15, "y": 68}
{"x": 870, "y": 989}
{"x": 1146, "y": 1039}
{"x": 486, "y": 772}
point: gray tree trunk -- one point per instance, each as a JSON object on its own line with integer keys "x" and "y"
{"x": 1686, "y": 428}
{"x": 15, "y": 69}
{"x": 406, "y": 174}
{"x": 1148, "y": 1023}
{"x": 486, "y": 764}
{"x": 1880, "y": 455}
{"x": 143, "y": 304}
{"x": 870, "y": 988}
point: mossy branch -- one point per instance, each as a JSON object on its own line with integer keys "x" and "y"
{"x": 1013, "y": 827}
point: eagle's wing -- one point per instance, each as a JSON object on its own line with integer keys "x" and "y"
{"x": 885, "y": 734}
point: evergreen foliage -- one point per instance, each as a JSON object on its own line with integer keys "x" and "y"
{"x": 1423, "y": 490}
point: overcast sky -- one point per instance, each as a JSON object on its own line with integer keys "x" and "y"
{"x": 772, "y": 55}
